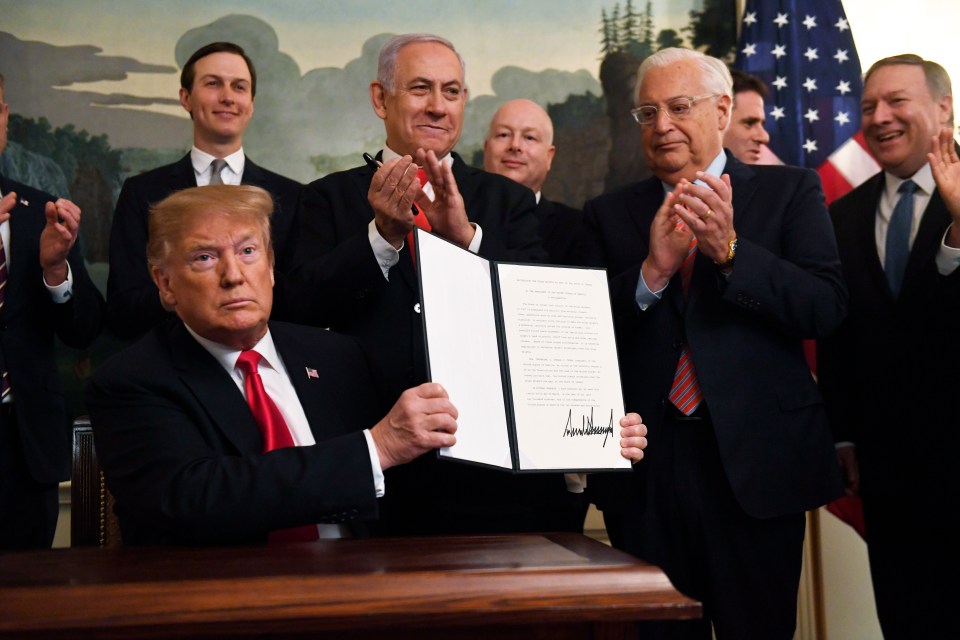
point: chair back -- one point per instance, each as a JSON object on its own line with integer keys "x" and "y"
{"x": 92, "y": 521}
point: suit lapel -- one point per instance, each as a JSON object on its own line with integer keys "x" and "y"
{"x": 214, "y": 389}
{"x": 26, "y": 225}
{"x": 865, "y": 228}
{"x": 934, "y": 222}
{"x": 182, "y": 175}
{"x": 309, "y": 388}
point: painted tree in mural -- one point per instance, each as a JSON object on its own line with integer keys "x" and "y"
{"x": 90, "y": 171}
{"x": 713, "y": 29}
{"x": 627, "y": 39}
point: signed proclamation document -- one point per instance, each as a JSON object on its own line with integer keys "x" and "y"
{"x": 528, "y": 356}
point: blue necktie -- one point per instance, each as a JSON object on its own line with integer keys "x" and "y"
{"x": 898, "y": 237}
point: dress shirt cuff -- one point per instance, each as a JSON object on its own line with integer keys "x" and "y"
{"x": 386, "y": 255}
{"x": 474, "y": 246}
{"x": 63, "y": 291}
{"x": 842, "y": 444}
{"x": 576, "y": 482}
{"x": 948, "y": 258}
{"x": 644, "y": 297}
{"x": 379, "y": 484}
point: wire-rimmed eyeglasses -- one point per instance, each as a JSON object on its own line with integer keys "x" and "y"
{"x": 677, "y": 109}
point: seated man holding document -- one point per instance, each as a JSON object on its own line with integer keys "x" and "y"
{"x": 225, "y": 428}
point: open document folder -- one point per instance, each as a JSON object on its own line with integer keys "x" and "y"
{"x": 528, "y": 356}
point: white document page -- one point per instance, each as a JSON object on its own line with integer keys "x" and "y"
{"x": 457, "y": 302}
{"x": 564, "y": 375}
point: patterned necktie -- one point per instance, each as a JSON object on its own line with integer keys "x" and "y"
{"x": 685, "y": 394}
{"x": 216, "y": 168}
{"x": 898, "y": 237}
{"x": 419, "y": 218}
{"x": 5, "y": 381}
{"x": 276, "y": 435}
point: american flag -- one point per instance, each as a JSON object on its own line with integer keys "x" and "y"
{"x": 312, "y": 373}
{"x": 804, "y": 51}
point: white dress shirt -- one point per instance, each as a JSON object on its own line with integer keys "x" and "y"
{"x": 276, "y": 382}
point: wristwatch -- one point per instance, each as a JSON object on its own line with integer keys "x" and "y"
{"x": 731, "y": 255}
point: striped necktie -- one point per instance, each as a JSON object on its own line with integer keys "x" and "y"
{"x": 685, "y": 394}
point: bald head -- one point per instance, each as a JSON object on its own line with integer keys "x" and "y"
{"x": 519, "y": 144}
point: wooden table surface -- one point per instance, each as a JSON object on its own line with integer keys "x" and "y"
{"x": 530, "y": 586}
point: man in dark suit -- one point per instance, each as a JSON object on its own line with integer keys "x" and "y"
{"x": 217, "y": 88}
{"x": 889, "y": 374}
{"x": 356, "y": 275}
{"x": 519, "y": 145}
{"x": 45, "y": 292}
{"x": 709, "y": 338}
{"x": 182, "y": 428}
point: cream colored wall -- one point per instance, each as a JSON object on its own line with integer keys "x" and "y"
{"x": 847, "y": 592}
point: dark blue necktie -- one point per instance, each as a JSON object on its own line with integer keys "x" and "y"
{"x": 898, "y": 237}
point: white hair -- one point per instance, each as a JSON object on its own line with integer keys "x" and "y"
{"x": 716, "y": 77}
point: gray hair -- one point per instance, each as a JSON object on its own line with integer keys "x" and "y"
{"x": 387, "y": 62}
{"x": 716, "y": 76}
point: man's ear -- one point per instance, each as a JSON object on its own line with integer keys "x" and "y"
{"x": 724, "y": 106}
{"x": 162, "y": 280}
{"x": 378, "y": 98}
{"x": 945, "y": 105}
{"x": 185, "y": 101}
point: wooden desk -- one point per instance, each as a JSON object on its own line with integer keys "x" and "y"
{"x": 555, "y": 586}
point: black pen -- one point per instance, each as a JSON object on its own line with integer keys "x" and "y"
{"x": 371, "y": 161}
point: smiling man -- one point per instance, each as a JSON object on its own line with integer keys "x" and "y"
{"x": 356, "y": 274}
{"x": 218, "y": 85}
{"x": 223, "y": 427}
{"x": 519, "y": 145}
{"x": 889, "y": 374}
{"x": 717, "y": 270}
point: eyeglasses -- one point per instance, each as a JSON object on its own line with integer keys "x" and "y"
{"x": 676, "y": 109}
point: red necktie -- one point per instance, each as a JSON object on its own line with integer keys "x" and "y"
{"x": 276, "y": 435}
{"x": 685, "y": 393}
{"x": 419, "y": 218}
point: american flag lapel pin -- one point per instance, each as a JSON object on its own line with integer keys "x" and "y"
{"x": 312, "y": 373}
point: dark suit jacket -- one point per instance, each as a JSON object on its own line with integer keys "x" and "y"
{"x": 133, "y": 302}
{"x": 182, "y": 453}
{"x": 745, "y": 333}
{"x": 890, "y": 374}
{"x": 29, "y": 322}
{"x": 560, "y": 228}
{"x": 339, "y": 283}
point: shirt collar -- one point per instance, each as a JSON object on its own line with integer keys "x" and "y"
{"x": 923, "y": 178}
{"x": 201, "y": 160}
{"x": 715, "y": 168}
{"x": 390, "y": 154}
{"x": 227, "y": 356}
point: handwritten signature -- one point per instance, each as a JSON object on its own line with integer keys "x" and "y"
{"x": 587, "y": 427}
